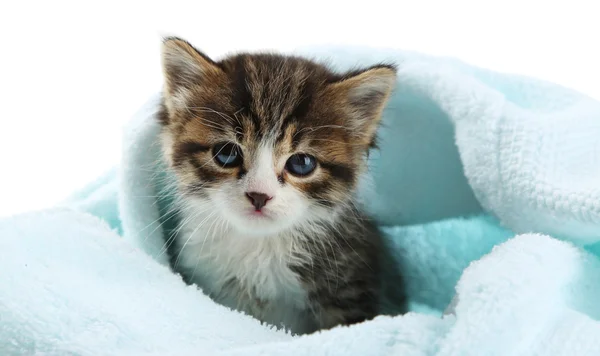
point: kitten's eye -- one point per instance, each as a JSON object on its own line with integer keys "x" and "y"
{"x": 301, "y": 164}
{"x": 227, "y": 155}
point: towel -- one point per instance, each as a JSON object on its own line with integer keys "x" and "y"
{"x": 484, "y": 186}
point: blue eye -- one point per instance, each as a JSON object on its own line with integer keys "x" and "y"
{"x": 301, "y": 164}
{"x": 227, "y": 155}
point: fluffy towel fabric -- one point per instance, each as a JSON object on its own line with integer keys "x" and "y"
{"x": 71, "y": 286}
{"x": 516, "y": 154}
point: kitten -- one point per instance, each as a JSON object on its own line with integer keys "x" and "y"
{"x": 267, "y": 151}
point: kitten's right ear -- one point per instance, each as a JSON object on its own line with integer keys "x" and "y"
{"x": 184, "y": 66}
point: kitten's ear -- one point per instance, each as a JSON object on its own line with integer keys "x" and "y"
{"x": 184, "y": 66}
{"x": 365, "y": 95}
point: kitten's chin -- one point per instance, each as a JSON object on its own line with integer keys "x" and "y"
{"x": 258, "y": 225}
{"x": 252, "y": 223}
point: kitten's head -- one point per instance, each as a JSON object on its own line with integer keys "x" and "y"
{"x": 268, "y": 141}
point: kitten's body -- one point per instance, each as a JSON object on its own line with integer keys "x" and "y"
{"x": 267, "y": 151}
{"x": 281, "y": 281}
{"x": 252, "y": 275}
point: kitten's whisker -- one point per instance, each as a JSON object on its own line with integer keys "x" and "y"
{"x": 213, "y": 157}
{"x": 173, "y": 236}
{"x": 335, "y": 141}
{"x": 315, "y": 128}
{"x": 165, "y": 217}
{"x": 235, "y": 114}
{"x": 192, "y": 235}
{"x": 170, "y": 211}
{"x": 171, "y": 239}
{"x": 212, "y": 239}
{"x": 207, "y": 109}
{"x": 213, "y": 125}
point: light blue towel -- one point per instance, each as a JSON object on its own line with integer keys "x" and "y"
{"x": 486, "y": 187}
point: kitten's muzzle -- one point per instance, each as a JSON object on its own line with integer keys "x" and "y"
{"x": 259, "y": 200}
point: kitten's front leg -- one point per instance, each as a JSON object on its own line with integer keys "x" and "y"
{"x": 347, "y": 304}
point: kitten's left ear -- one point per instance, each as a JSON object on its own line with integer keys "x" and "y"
{"x": 185, "y": 67}
{"x": 365, "y": 94}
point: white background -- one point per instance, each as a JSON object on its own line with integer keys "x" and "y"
{"x": 72, "y": 72}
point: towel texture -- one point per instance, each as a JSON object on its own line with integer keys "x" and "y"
{"x": 486, "y": 187}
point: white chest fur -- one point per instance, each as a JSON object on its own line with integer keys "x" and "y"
{"x": 247, "y": 273}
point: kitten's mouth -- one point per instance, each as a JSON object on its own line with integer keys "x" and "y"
{"x": 258, "y": 214}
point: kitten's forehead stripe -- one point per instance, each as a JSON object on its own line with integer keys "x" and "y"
{"x": 276, "y": 90}
{"x": 242, "y": 98}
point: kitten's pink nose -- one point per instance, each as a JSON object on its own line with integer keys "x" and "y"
{"x": 258, "y": 199}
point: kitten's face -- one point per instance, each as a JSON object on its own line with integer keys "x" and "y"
{"x": 266, "y": 141}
